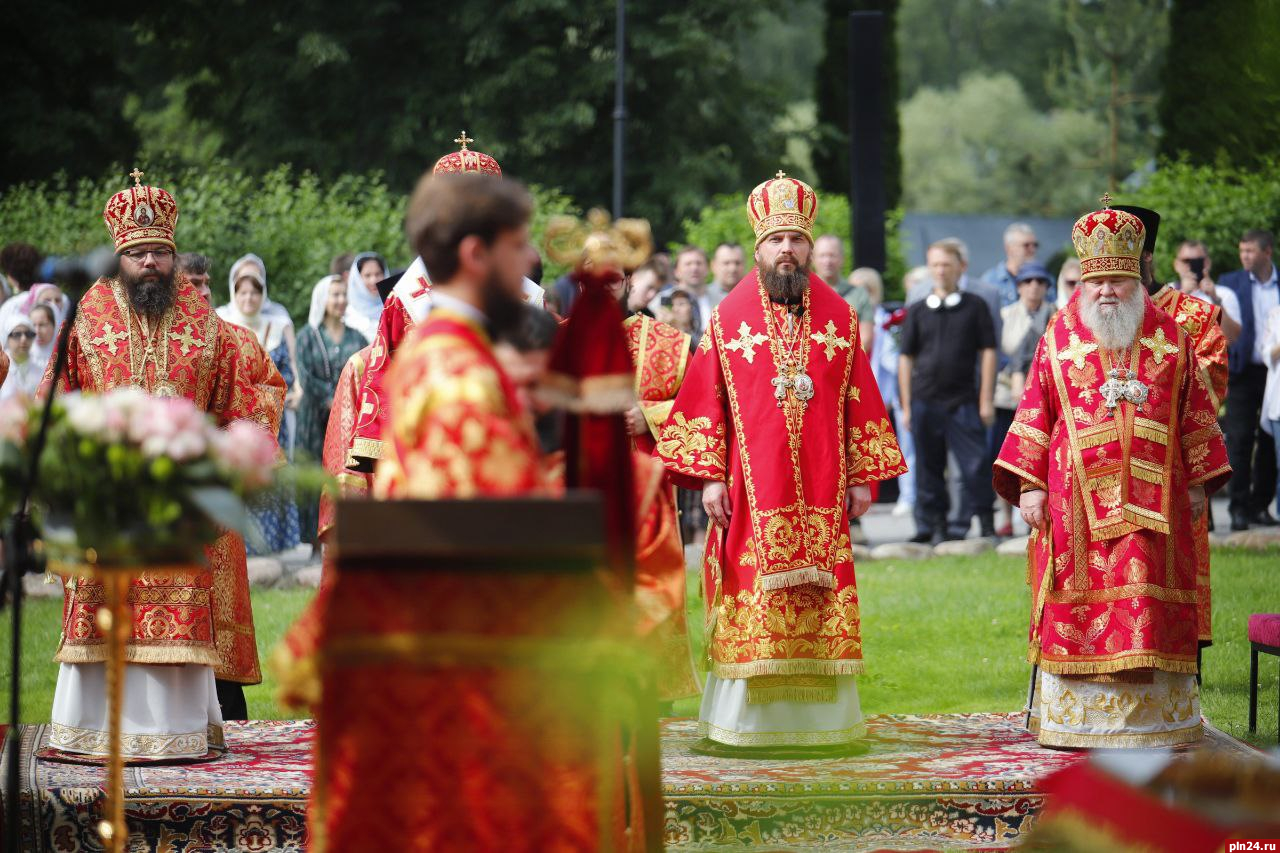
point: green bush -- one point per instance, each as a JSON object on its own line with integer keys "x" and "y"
{"x": 294, "y": 220}
{"x": 1214, "y": 204}
{"x": 724, "y": 220}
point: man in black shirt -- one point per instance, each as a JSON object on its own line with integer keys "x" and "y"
{"x": 948, "y": 403}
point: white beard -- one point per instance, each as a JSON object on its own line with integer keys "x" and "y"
{"x": 1114, "y": 327}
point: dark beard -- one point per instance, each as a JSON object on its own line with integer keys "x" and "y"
{"x": 503, "y": 312}
{"x": 786, "y": 288}
{"x": 152, "y": 293}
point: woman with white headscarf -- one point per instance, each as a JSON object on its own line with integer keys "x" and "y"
{"x": 276, "y": 516}
{"x": 324, "y": 345}
{"x": 364, "y": 305}
{"x": 24, "y": 373}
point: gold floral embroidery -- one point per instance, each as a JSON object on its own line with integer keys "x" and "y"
{"x": 686, "y": 440}
{"x": 805, "y": 622}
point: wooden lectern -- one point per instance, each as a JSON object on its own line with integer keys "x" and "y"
{"x": 480, "y": 671}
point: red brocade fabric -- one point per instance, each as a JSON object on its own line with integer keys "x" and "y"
{"x": 1114, "y": 583}
{"x": 188, "y": 352}
{"x": 780, "y": 588}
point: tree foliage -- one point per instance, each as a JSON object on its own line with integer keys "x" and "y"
{"x": 983, "y": 147}
{"x": 296, "y": 221}
{"x": 1221, "y": 85}
{"x": 1211, "y": 203}
{"x": 387, "y": 85}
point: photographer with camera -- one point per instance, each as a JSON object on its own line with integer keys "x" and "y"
{"x": 1192, "y": 264}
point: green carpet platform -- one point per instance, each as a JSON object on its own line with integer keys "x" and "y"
{"x": 956, "y": 781}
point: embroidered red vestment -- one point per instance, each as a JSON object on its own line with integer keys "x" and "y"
{"x": 188, "y": 352}
{"x": 1114, "y": 584}
{"x": 780, "y": 589}
{"x": 486, "y": 758}
{"x": 1200, "y": 320}
{"x": 660, "y": 353}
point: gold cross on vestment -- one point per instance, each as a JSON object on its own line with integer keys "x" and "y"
{"x": 1159, "y": 345}
{"x": 110, "y": 337}
{"x": 185, "y": 339}
{"x": 464, "y": 140}
{"x": 1076, "y": 352}
{"x": 746, "y": 342}
{"x": 136, "y": 174}
{"x": 830, "y": 340}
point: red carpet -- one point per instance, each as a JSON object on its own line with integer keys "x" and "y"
{"x": 928, "y": 782}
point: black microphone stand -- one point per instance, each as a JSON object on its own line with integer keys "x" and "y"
{"x": 21, "y": 559}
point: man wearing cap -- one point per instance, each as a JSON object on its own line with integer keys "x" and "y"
{"x": 1112, "y": 453}
{"x": 1202, "y": 321}
{"x": 406, "y": 307}
{"x": 780, "y": 423}
{"x": 149, "y": 328}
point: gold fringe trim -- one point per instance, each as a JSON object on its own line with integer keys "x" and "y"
{"x": 1081, "y": 665}
{"x": 1146, "y": 518}
{"x": 1150, "y": 430}
{"x": 808, "y": 689}
{"x": 1094, "y": 439}
{"x": 812, "y": 575}
{"x": 788, "y": 666}
{"x": 595, "y": 395}
{"x": 1152, "y": 474}
{"x": 1119, "y": 593}
{"x": 1177, "y": 737}
{"x": 732, "y": 738}
{"x": 205, "y": 656}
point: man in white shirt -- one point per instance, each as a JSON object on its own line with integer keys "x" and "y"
{"x": 1192, "y": 264}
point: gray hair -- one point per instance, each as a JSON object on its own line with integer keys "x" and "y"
{"x": 1016, "y": 229}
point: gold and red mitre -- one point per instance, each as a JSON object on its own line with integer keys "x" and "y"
{"x": 782, "y": 204}
{"x": 466, "y": 160}
{"x": 141, "y": 215}
{"x": 1109, "y": 242}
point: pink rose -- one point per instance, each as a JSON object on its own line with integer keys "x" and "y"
{"x": 13, "y": 420}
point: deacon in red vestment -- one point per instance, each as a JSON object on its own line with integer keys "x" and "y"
{"x": 151, "y": 329}
{"x": 780, "y": 423}
{"x": 1202, "y": 322}
{"x": 483, "y": 761}
{"x": 1114, "y": 447}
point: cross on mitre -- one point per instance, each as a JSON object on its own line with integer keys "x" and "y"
{"x": 464, "y": 140}
{"x": 137, "y": 174}
{"x": 781, "y": 174}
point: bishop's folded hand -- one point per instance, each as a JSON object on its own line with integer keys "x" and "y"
{"x": 1032, "y": 507}
{"x": 715, "y": 500}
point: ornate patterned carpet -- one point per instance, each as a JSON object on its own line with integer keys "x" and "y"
{"x": 928, "y": 782}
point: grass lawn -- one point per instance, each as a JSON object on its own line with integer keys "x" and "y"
{"x": 942, "y": 635}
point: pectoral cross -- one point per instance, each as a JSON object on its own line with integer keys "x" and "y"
{"x": 1112, "y": 390}
{"x": 464, "y": 140}
{"x": 136, "y": 174}
{"x": 780, "y": 386}
{"x": 110, "y": 337}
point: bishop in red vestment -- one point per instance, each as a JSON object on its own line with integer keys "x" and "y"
{"x": 1113, "y": 450}
{"x": 780, "y": 423}
{"x": 149, "y": 328}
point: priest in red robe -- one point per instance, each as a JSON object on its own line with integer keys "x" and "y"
{"x": 1112, "y": 453}
{"x": 149, "y": 328}
{"x": 779, "y": 421}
